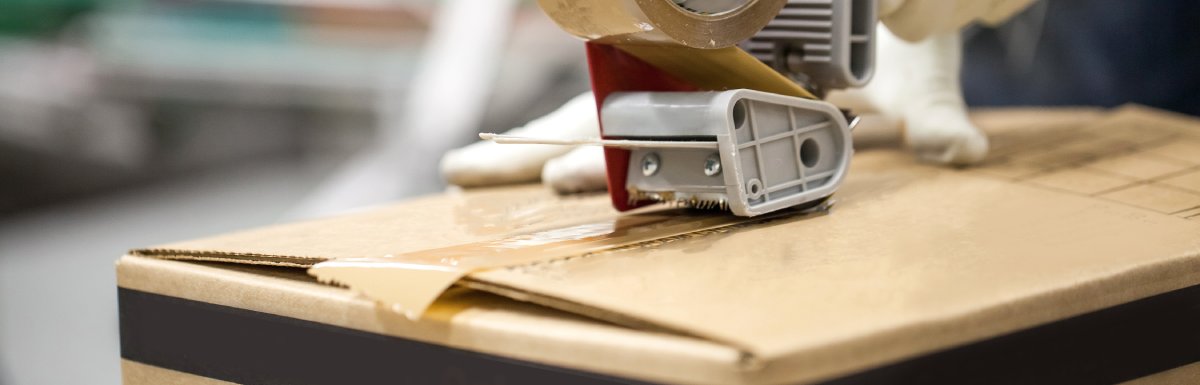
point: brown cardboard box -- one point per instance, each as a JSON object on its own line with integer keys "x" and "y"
{"x": 1071, "y": 255}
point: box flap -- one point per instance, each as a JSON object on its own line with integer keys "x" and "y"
{"x": 1064, "y": 218}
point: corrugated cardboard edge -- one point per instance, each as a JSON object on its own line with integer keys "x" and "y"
{"x": 227, "y": 257}
{"x": 463, "y": 319}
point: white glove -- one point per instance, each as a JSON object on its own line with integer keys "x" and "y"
{"x": 566, "y": 169}
{"x": 915, "y": 83}
{"x": 916, "y": 79}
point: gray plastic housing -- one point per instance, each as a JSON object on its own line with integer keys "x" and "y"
{"x": 826, "y": 43}
{"x": 774, "y": 151}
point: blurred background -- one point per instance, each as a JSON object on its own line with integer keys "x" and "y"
{"x": 130, "y": 123}
{"x": 126, "y": 123}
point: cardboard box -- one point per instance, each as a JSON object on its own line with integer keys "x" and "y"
{"x": 1072, "y": 255}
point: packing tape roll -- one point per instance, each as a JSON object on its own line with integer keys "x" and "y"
{"x": 706, "y": 24}
{"x": 697, "y": 46}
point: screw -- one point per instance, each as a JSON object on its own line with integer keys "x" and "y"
{"x": 650, "y": 164}
{"x": 712, "y": 165}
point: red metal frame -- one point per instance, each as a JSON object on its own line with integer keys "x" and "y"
{"x": 613, "y": 70}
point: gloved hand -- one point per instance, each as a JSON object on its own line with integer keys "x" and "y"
{"x": 915, "y": 84}
{"x": 566, "y": 169}
{"x": 916, "y": 80}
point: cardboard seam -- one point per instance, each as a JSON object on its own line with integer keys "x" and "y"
{"x": 822, "y": 209}
{"x": 747, "y": 360}
{"x": 569, "y": 306}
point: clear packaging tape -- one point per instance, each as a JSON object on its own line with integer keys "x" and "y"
{"x": 408, "y": 283}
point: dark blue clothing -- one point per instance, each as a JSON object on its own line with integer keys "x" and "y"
{"x": 1089, "y": 52}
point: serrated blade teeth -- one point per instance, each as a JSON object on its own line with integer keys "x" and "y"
{"x": 705, "y": 204}
{"x": 678, "y": 199}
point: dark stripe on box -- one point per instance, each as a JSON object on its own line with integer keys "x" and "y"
{"x": 1112, "y": 345}
{"x": 249, "y": 347}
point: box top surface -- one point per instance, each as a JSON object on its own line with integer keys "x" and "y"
{"x": 1064, "y": 218}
